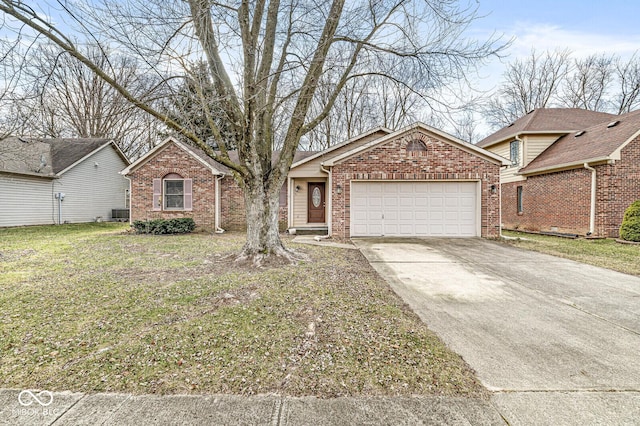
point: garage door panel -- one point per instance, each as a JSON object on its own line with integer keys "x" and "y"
{"x": 407, "y": 208}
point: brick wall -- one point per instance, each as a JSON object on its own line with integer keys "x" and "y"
{"x": 233, "y": 210}
{"x": 172, "y": 159}
{"x": 618, "y": 187}
{"x": 562, "y": 200}
{"x": 442, "y": 161}
{"x": 555, "y": 201}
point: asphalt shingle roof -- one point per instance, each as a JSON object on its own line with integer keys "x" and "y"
{"x": 597, "y": 141}
{"x": 44, "y": 157}
{"x": 562, "y": 120}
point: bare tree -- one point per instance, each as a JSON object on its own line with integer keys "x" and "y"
{"x": 70, "y": 100}
{"x": 627, "y": 75}
{"x": 528, "y": 84}
{"x": 587, "y": 84}
{"x": 267, "y": 59}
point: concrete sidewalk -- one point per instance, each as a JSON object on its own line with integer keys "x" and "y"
{"x": 68, "y": 408}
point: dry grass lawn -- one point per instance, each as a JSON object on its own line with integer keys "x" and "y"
{"x": 605, "y": 253}
{"x": 93, "y": 308}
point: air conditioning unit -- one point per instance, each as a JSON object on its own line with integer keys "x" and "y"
{"x": 120, "y": 215}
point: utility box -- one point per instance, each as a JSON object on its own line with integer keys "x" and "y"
{"x": 120, "y": 215}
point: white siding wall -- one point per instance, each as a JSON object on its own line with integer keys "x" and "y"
{"x": 93, "y": 191}
{"x": 26, "y": 201}
{"x": 507, "y": 174}
{"x": 535, "y": 144}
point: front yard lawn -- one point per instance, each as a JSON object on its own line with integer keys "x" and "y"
{"x": 605, "y": 253}
{"x": 92, "y": 308}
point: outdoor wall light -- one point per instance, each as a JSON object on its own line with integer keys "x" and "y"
{"x": 494, "y": 189}
{"x": 338, "y": 189}
{"x": 297, "y": 188}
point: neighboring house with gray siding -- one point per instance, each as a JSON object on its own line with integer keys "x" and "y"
{"x": 33, "y": 172}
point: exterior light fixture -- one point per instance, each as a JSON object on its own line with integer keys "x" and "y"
{"x": 494, "y": 189}
{"x": 339, "y": 189}
{"x": 297, "y": 188}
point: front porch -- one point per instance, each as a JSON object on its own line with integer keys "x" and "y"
{"x": 309, "y": 206}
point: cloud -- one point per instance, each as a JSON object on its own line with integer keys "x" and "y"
{"x": 543, "y": 37}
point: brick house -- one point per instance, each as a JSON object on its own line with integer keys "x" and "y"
{"x": 572, "y": 170}
{"x": 417, "y": 181}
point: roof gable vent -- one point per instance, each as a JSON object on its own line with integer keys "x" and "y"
{"x": 613, "y": 124}
{"x": 580, "y": 133}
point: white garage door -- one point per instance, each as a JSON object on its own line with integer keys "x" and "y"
{"x": 401, "y": 209}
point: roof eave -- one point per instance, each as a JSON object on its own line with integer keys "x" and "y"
{"x": 515, "y": 135}
{"x": 566, "y": 166}
{"x": 473, "y": 149}
{"x": 100, "y": 148}
{"x": 341, "y": 144}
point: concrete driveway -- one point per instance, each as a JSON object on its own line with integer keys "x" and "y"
{"x": 556, "y": 341}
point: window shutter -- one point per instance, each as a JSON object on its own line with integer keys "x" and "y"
{"x": 157, "y": 194}
{"x": 188, "y": 194}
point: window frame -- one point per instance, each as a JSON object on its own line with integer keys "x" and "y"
{"x": 166, "y": 195}
{"x": 514, "y": 145}
{"x": 519, "y": 205}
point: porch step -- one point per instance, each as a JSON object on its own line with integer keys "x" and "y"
{"x": 317, "y": 230}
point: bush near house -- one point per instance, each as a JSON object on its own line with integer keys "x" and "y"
{"x": 630, "y": 228}
{"x": 165, "y": 226}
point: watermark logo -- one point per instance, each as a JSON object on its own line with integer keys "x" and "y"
{"x": 26, "y": 398}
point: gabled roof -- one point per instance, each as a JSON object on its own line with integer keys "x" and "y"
{"x": 201, "y": 156}
{"x": 601, "y": 142}
{"x": 549, "y": 121}
{"x": 48, "y": 157}
{"x": 328, "y": 151}
{"x": 466, "y": 146}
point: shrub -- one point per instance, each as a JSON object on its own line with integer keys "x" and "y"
{"x": 630, "y": 228}
{"x": 164, "y": 226}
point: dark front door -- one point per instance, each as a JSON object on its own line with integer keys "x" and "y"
{"x": 315, "y": 204}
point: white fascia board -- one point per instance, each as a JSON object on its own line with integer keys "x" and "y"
{"x": 100, "y": 148}
{"x": 341, "y": 144}
{"x": 421, "y": 126}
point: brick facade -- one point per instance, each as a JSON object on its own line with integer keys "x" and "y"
{"x": 172, "y": 159}
{"x": 618, "y": 187}
{"x": 392, "y": 161}
{"x": 561, "y": 201}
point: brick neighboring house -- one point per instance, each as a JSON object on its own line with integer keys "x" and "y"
{"x": 556, "y": 156}
{"x": 417, "y": 181}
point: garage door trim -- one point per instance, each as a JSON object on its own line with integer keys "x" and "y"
{"x": 477, "y": 195}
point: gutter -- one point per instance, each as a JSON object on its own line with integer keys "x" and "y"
{"x": 218, "y": 230}
{"x": 329, "y": 200}
{"x": 592, "y": 213}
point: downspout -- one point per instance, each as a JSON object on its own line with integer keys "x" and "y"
{"x": 289, "y": 203}
{"x": 329, "y": 200}
{"x": 130, "y": 200}
{"x": 218, "y": 230}
{"x": 592, "y": 213}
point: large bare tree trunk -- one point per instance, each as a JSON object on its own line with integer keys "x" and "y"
{"x": 263, "y": 234}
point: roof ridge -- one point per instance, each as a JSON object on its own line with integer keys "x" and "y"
{"x": 528, "y": 122}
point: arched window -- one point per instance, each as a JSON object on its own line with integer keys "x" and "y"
{"x": 173, "y": 188}
{"x": 416, "y": 147}
{"x": 172, "y": 192}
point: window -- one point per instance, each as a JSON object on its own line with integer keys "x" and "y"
{"x": 519, "y": 199}
{"x": 416, "y": 146}
{"x": 514, "y": 149}
{"x": 172, "y": 193}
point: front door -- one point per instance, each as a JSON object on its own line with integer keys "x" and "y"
{"x": 315, "y": 204}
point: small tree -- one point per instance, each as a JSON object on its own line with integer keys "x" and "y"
{"x": 630, "y": 228}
